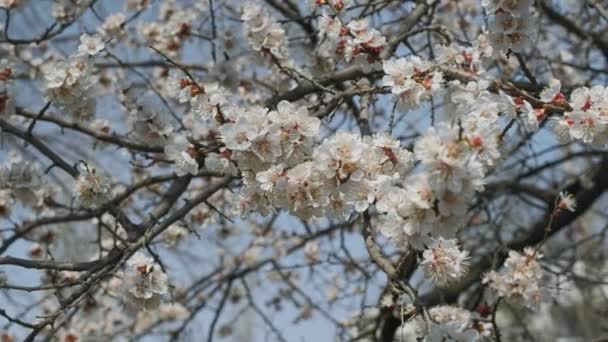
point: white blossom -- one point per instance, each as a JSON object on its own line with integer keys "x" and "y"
{"x": 22, "y": 178}
{"x": 147, "y": 117}
{"x": 552, "y": 92}
{"x": 69, "y": 84}
{"x": 567, "y": 201}
{"x": 221, "y": 163}
{"x": 312, "y": 251}
{"x": 412, "y": 80}
{"x": 511, "y": 24}
{"x": 183, "y": 154}
{"x": 113, "y": 26}
{"x": 520, "y": 281}
{"x": 92, "y": 187}
{"x": 444, "y": 262}
{"x": 263, "y": 32}
{"x": 451, "y": 323}
{"x": 145, "y": 283}
{"x": 90, "y": 45}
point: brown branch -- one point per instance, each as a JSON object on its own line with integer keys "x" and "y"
{"x": 47, "y": 264}
{"x": 374, "y": 251}
{"x": 109, "y": 138}
{"x": 40, "y": 146}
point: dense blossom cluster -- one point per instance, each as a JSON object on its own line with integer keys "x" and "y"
{"x": 336, "y": 5}
{"x": 113, "y": 26}
{"x": 20, "y": 181}
{"x": 473, "y": 59}
{"x": 170, "y": 32}
{"x": 281, "y": 169}
{"x": 70, "y": 83}
{"x": 511, "y": 24}
{"x": 263, "y": 32}
{"x": 65, "y": 11}
{"x": 390, "y": 146}
{"x": 356, "y": 42}
{"x": 587, "y": 120}
{"x": 520, "y": 281}
{"x": 447, "y": 323}
{"x": 274, "y": 151}
{"x": 433, "y": 202}
{"x": 147, "y": 118}
{"x": 182, "y": 154}
{"x": 412, "y": 80}
{"x": 144, "y": 282}
{"x": 444, "y": 262}
{"x": 206, "y": 100}
{"x": 454, "y": 323}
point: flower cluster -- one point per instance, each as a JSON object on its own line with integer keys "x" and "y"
{"x": 263, "y": 32}
{"x": 183, "y": 154}
{"x": 145, "y": 283}
{"x": 147, "y": 118}
{"x": 447, "y": 323}
{"x": 90, "y": 45}
{"x": 521, "y": 278}
{"x": 588, "y": 119}
{"x": 169, "y": 33}
{"x": 412, "y": 80}
{"x": 207, "y": 100}
{"x": 137, "y": 5}
{"x": 21, "y": 180}
{"x": 69, "y": 83}
{"x": 330, "y": 33}
{"x": 360, "y": 39}
{"x": 451, "y": 323}
{"x": 336, "y": 5}
{"x": 434, "y": 201}
{"x": 256, "y": 139}
{"x": 343, "y": 174}
{"x": 511, "y": 24}
{"x": 479, "y": 111}
{"x": 91, "y": 187}
{"x": 355, "y": 42}
{"x": 113, "y": 26}
{"x": 473, "y": 59}
{"x": 65, "y": 11}
{"x": 444, "y": 262}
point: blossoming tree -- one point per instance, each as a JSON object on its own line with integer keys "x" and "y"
{"x": 352, "y": 170}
